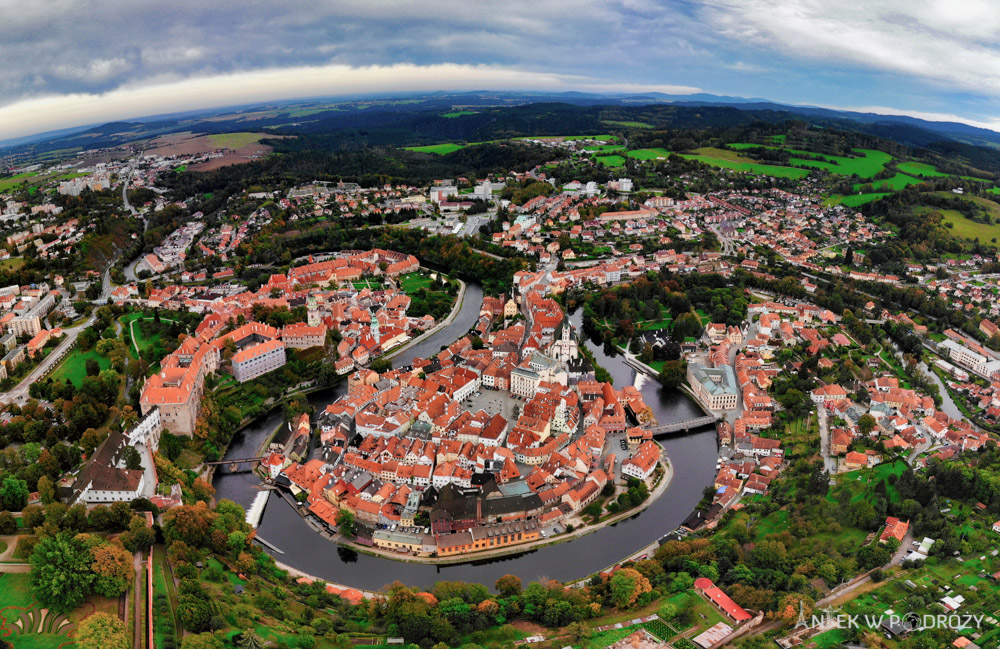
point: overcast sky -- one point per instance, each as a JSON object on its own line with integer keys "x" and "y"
{"x": 71, "y": 62}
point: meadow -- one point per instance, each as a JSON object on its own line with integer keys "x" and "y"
{"x": 74, "y": 366}
{"x": 234, "y": 140}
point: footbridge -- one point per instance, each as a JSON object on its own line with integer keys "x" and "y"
{"x": 683, "y": 426}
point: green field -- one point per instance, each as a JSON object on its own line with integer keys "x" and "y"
{"x": 459, "y": 113}
{"x": 966, "y": 228}
{"x": 897, "y": 182}
{"x": 920, "y": 169}
{"x": 855, "y": 199}
{"x": 628, "y": 124}
{"x": 732, "y": 160}
{"x": 234, "y": 140}
{"x": 605, "y": 147}
{"x": 611, "y": 160}
{"x": 13, "y": 181}
{"x": 869, "y": 163}
{"x": 74, "y": 366}
{"x": 14, "y": 263}
{"x": 724, "y": 159}
{"x": 439, "y": 149}
{"x": 648, "y": 154}
{"x": 374, "y": 285}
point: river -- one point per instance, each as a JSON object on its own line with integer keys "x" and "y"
{"x": 693, "y": 458}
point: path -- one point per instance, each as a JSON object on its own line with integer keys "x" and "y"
{"x": 11, "y": 541}
{"x": 829, "y": 463}
{"x": 137, "y": 603}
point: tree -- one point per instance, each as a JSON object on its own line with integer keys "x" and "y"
{"x": 345, "y": 522}
{"x": 61, "y": 575}
{"x": 93, "y": 368}
{"x": 102, "y": 631}
{"x": 112, "y": 568}
{"x": 13, "y": 494}
{"x": 250, "y": 640}
{"x": 139, "y": 536}
{"x": 8, "y": 524}
{"x": 46, "y": 490}
{"x": 865, "y": 424}
{"x": 673, "y": 374}
{"x": 626, "y": 586}
{"x": 202, "y": 641}
{"x": 508, "y": 585}
{"x": 189, "y": 523}
{"x": 194, "y": 612}
{"x": 132, "y": 458}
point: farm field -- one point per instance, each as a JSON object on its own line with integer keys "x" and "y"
{"x": 648, "y": 154}
{"x": 74, "y": 366}
{"x": 459, "y": 113}
{"x": 234, "y": 140}
{"x": 605, "y": 147}
{"x": 439, "y": 149}
{"x": 865, "y": 166}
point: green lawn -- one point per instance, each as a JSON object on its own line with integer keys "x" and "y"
{"x": 374, "y": 285}
{"x": 605, "y": 147}
{"x": 234, "y": 140}
{"x": 611, "y": 160}
{"x": 413, "y": 281}
{"x": 648, "y": 154}
{"x": 439, "y": 149}
{"x": 14, "y": 263}
{"x": 459, "y": 113}
{"x": 74, "y": 366}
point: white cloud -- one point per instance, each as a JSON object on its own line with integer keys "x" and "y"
{"x": 168, "y": 95}
{"x": 953, "y": 44}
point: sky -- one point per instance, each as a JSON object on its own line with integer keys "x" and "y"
{"x": 73, "y": 62}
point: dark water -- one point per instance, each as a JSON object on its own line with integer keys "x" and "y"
{"x": 693, "y": 458}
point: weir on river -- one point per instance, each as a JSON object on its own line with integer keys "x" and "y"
{"x": 692, "y": 457}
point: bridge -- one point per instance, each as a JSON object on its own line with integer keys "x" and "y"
{"x": 234, "y": 465}
{"x": 683, "y": 426}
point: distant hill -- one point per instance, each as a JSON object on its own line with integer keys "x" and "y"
{"x": 402, "y": 119}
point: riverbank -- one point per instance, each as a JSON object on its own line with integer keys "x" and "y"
{"x": 658, "y": 490}
{"x": 455, "y": 310}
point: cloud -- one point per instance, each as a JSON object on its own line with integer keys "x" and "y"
{"x": 955, "y": 45}
{"x": 169, "y": 95}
